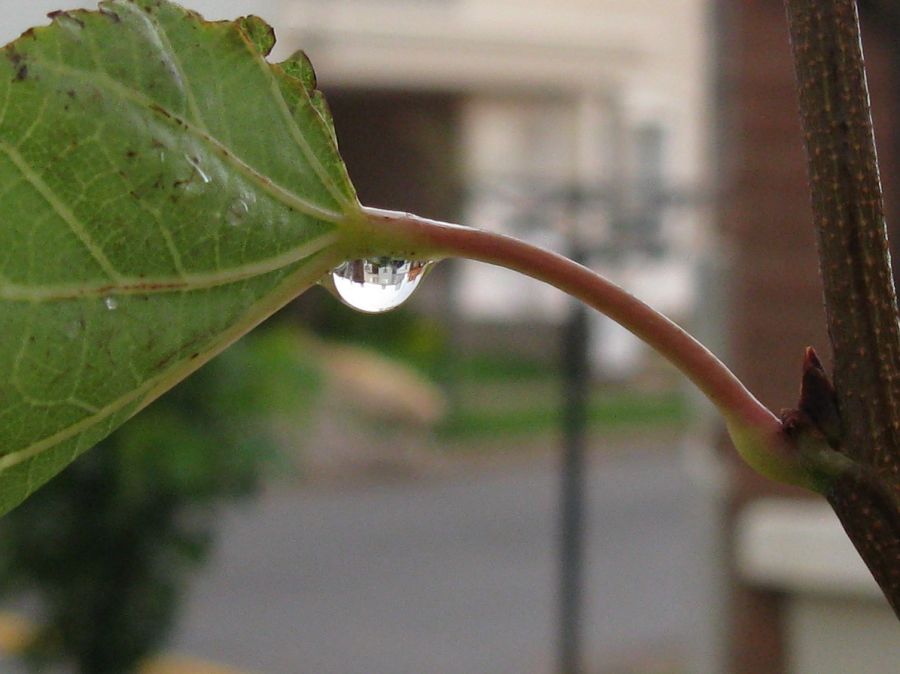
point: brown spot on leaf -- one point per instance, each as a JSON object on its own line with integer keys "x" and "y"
{"x": 160, "y": 110}
{"x": 21, "y": 73}
{"x": 165, "y": 360}
{"x": 60, "y": 13}
{"x": 111, "y": 15}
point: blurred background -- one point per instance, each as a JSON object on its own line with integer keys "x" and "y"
{"x": 489, "y": 479}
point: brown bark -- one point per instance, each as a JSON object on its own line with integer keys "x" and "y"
{"x": 861, "y": 306}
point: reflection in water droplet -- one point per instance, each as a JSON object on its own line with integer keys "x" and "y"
{"x": 377, "y": 284}
{"x": 111, "y": 303}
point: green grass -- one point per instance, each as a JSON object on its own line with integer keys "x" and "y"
{"x": 607, "y": 410}
{"x": 499, "y": 367}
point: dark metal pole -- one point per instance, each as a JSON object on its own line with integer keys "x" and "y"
{"x": 576, "y": 377}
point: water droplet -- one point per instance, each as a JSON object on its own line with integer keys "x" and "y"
{"x": 237, "y": 211}
{"x": 195, "y": 163}
{"x": 376, "y": 284}
{"x": 74, "y": 329}
{"x": 111, "y": 303}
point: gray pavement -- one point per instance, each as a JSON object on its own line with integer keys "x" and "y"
{"x": 456, "y": 574}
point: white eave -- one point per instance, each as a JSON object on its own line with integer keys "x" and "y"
{"x": 455, "y": 47}
{"x": 799, "y": 546}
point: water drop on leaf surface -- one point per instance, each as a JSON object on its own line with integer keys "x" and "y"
{"x": 111, "y": 303}
{"x": 378, "y": 284}
{"x": 237, "y": 212}
{"x": 195, "y": 163}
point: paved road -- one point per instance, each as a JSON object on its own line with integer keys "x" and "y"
{"x": 455, "y": 575}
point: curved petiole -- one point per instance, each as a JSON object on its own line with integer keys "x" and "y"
{"x": 755, "y": 431}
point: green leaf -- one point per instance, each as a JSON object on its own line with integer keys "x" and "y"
{"x": 163, "y": 189}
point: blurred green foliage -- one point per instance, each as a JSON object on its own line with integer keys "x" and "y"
{"x": 403, "y": 334}
{"x": 107, "y": 546}
{"x": 497, "y": 366}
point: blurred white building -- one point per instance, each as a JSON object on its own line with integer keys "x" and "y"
{"x": 580, "y": 128}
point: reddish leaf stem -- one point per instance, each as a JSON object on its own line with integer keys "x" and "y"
{"x": 742, "y": 411}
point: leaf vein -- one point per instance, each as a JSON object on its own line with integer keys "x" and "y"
{"x": 153, "y": 387}
{"x": 280, "y": 193}
{"x": 294, "y": 130}
{"x": 168, "y": 51}
{"x": 152, "y": 285}
{"x": 35, "y": 122}
{"x": 62, "y": 210}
